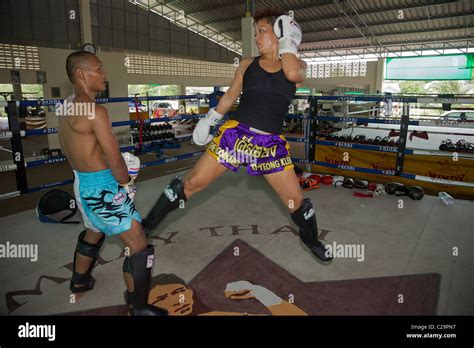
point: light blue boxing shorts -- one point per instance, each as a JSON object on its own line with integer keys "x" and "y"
{"x": 104, "y": 204}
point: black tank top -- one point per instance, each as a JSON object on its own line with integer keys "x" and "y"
{"x": 265, "y": 99}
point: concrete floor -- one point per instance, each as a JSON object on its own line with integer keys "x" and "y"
{"x": 416, "y": 239}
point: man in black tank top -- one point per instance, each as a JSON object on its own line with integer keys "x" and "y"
{"x": 252, "y": 136}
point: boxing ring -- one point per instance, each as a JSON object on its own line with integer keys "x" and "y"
{"x": 397, "y": 256}
{"x": 383, "y": 162}
{"x": 398, "y": 153}
{"x": 20, "y": 164}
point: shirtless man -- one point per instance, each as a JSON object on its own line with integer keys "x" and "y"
{"x": 103, "y": 186}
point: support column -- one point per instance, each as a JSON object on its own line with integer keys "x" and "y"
{"x": 249, "y": 48}
{"x": 379, "y": 76}
{"x": 181, "y": 102}
{"x": 86, "y": 23}
{"x": 17, "y": 92}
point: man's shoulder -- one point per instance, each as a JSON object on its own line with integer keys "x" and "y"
{"x": 100, "y": 108}
{"x": 101, "y": 111}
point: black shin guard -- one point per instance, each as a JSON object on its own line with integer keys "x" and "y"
{"x": 139, "y": 266}
{"x": 169, "y": 200}
{"x": 85, "y": 280}
{"x": 305, "y": 218}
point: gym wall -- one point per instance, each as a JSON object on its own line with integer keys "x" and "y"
{"x": 116, "y": 24}
{"x": 52, "y": 60}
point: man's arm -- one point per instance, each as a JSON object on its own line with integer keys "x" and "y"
{"x": 294, "y": 68}
{"x": 228, "y": 99}
{"x": 102, "y": 128}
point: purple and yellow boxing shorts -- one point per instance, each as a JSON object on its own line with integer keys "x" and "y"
{"x": 236, "y": 143}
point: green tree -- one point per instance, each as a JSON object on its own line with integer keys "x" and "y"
{"x": 32, "y": 91}
{"x": 153, "y": 90}
{"x": 416, "y": 87}
{"x": 169, "y": 90}
{"x": 6, "y": 87}
{"x": 450, "y": 87}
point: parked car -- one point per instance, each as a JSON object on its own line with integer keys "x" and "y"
{"x": 163, "y": 110}
{"x": 458, "y": 116}
{"x": 132, "y": 107}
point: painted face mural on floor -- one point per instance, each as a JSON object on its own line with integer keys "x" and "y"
{"x": 252, "y": 284}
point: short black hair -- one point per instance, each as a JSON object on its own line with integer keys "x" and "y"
{"x": 74, "y": 60}
{"x": 270, "y": 14}
{"x": 165, "y": 279}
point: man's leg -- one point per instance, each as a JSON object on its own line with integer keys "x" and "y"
{"x": 137, "y": 269}
{"x": 178, "y": 191}
{"x": 87, "y": 250}
{"x": 286, "y": 185}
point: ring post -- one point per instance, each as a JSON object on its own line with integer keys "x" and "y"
{"x": 17, "y": 148}
{"x": 403, "y": 138}
{"x": 313, "y": 113}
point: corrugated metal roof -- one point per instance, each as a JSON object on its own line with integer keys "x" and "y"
{"x": 359, "y": 23}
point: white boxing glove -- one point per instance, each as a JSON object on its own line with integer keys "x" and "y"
{"x": 130, "y": 188}
{"x": 133, "y": 164}
{"x": 201, "y": 134}
{"x": 288, "y": 33}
